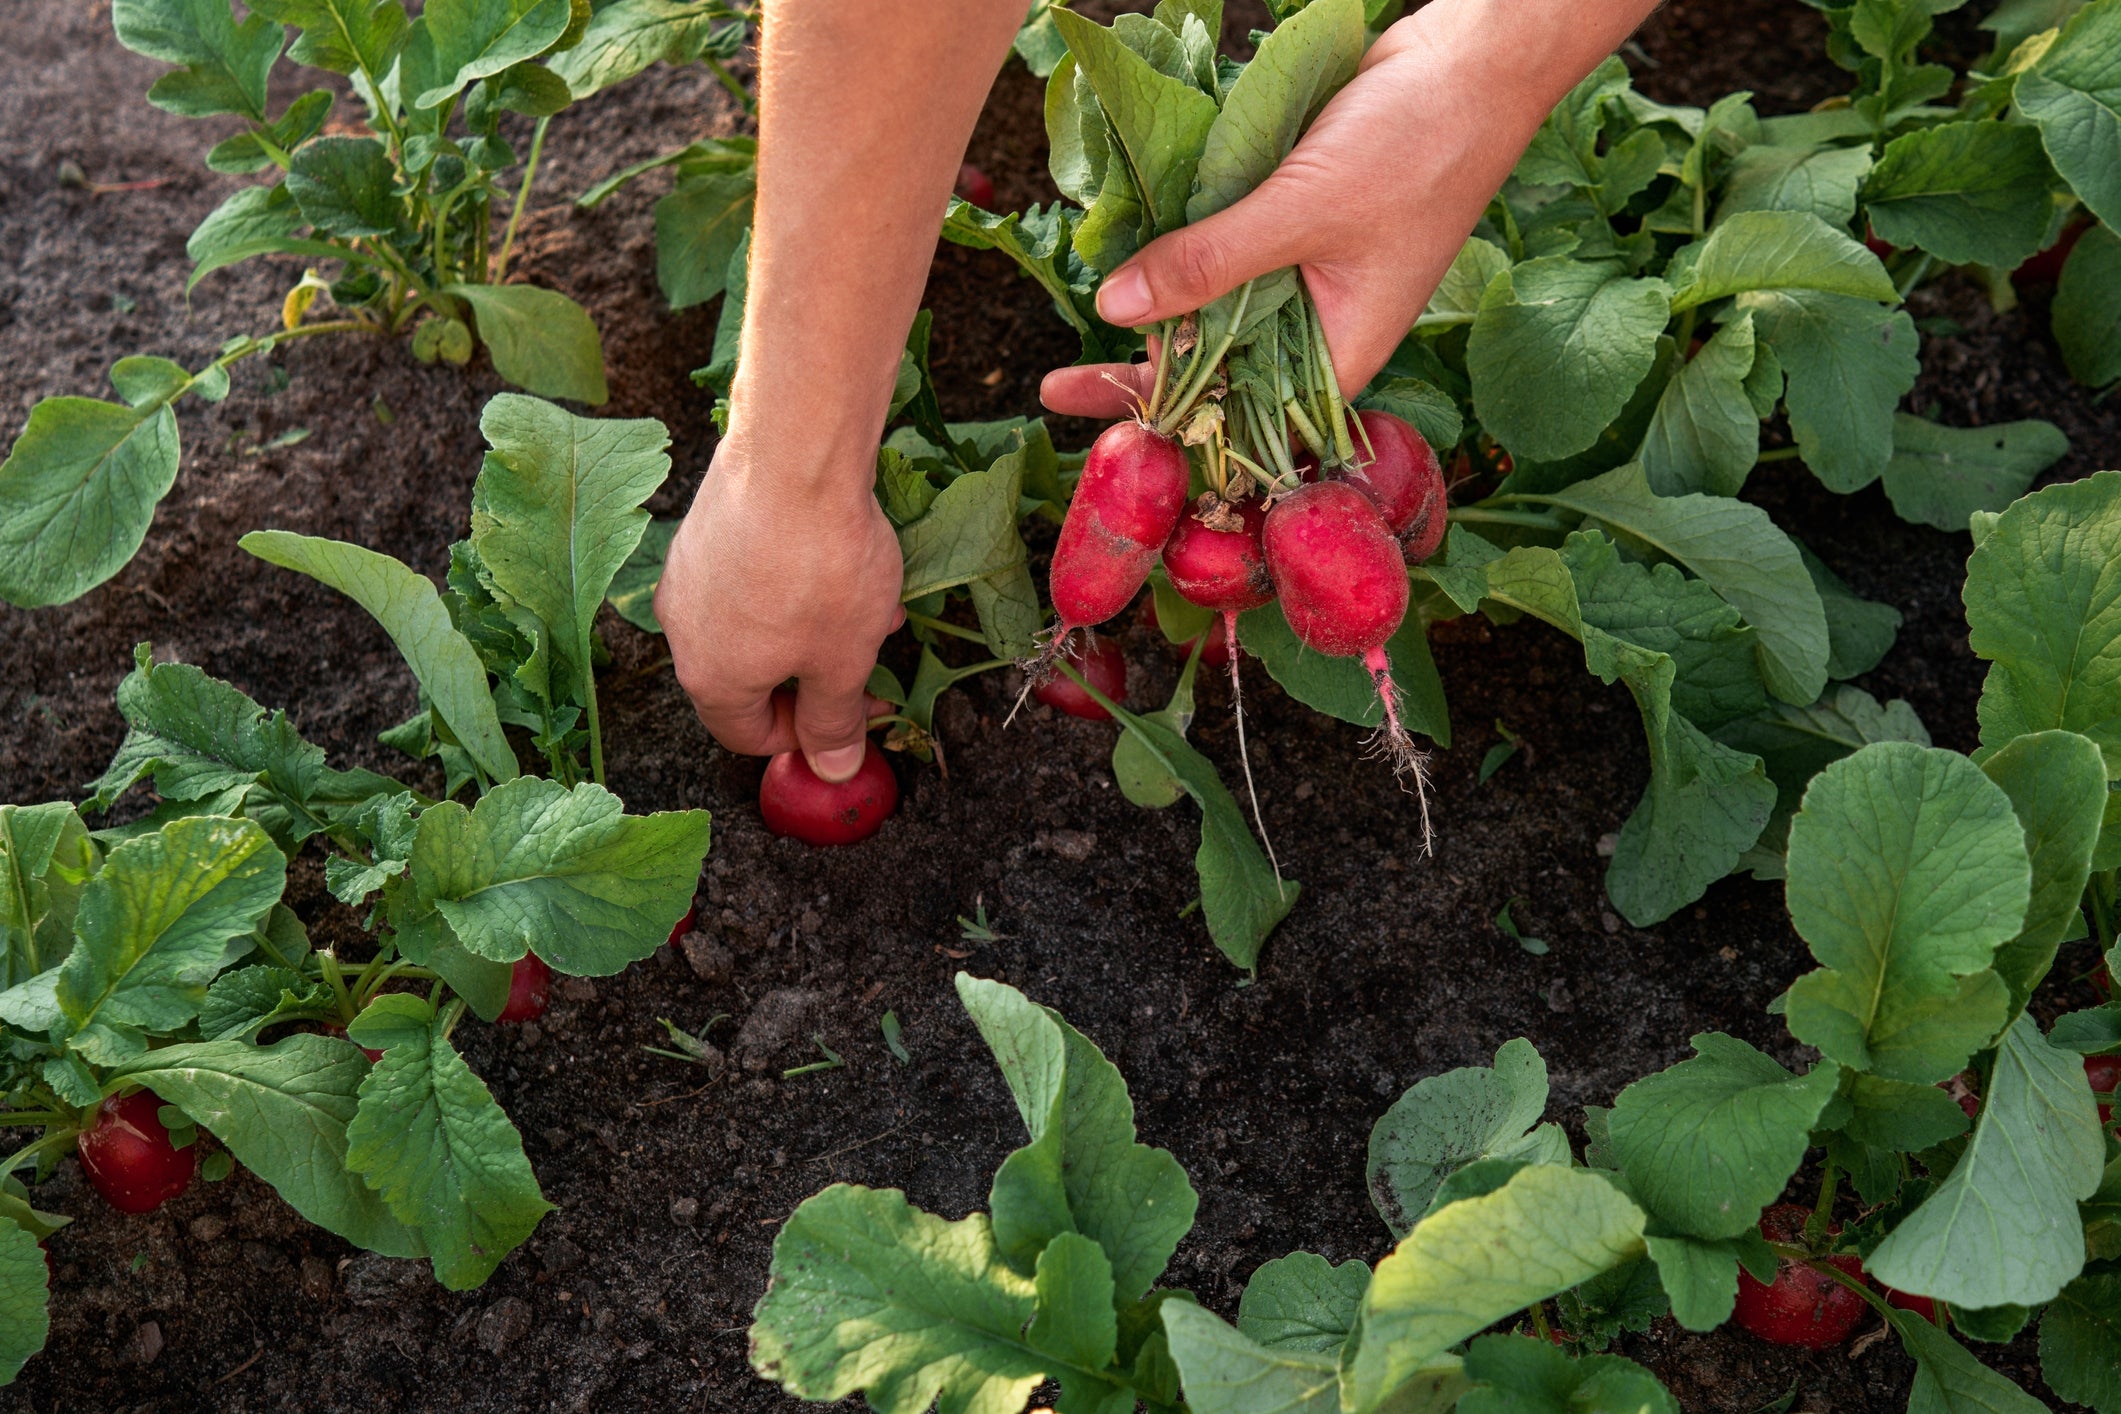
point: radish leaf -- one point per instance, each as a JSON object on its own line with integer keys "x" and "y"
{"x": 542, "y": 341}
{"x": 1302, "y": 1302}
{"x": 1518, "y": 1375}
{"x": 1968, "y": 193}
{"x": 25, "y": 1297}
{"x": 77, "y": 492}
{"x": 1849, "y": 362}
{"x": 2073, "y": 95}
{"x": 1459, "y": 1117}
{"x": 2087, "y": 310}
{"x": 1941, "y": 475}
{"x": 1228, "y": 1372}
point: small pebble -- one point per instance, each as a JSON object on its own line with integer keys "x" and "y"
{"x": 146, "y": 1343}
{"x": 505, "y": 1322}
{"x": 684, "y": 1211}
{"x": 208, "y": 1227}
{"x": 316, "y": 1278}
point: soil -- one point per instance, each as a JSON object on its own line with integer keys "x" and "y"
{"x": 670, "y": 1179}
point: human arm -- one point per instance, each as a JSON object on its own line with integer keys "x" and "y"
{"x": 785, "y": 566}
{"x": 1381, "y": 192}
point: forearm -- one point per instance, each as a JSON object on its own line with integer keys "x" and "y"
{"x": 865, "y": 110}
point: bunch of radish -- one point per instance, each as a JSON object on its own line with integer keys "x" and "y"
{"x": 1332, "y": 544}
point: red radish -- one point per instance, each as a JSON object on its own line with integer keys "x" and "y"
{"x": 1343, "y": 587}
{"x": 1922, "y": 1306}
{"x": 975, "y": 186}
{"x": 127, "y": 1155}
{"x": 684, "y": 925}
{"x": 2104, "y": 1073}
{"x": 529, "y": 990}
{"x": 1879, "y": 247}
{"x": 1802, "y": 1306}
{"x": 1214, "y": 654}
{"x": 1132, "y": 492}
{"x": 1403, "y": 478}
{"x": 1100, "y": 661}
{"x": 2102, "y": 981}
{"x": 795, "y": 802}
{"x": 2045, "y": 268}
{"x": 1217, "y": 560}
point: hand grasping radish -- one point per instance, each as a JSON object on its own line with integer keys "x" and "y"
{"x": 1343, "y": 588}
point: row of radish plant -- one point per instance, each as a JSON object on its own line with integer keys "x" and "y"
{"x": 1711, "y": 255}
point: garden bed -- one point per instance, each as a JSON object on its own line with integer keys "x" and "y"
{"x": 671, "y": 1180}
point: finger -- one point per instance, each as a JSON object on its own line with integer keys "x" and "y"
{"x": 762, "y": 725}
{"x": 832, "y": 725}
{"x": 1101, "y": 390}
{"x": 1178, "y": 273}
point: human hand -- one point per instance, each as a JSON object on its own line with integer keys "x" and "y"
{"x": 1378, "y": 196}
{"x": 771, "y": 577}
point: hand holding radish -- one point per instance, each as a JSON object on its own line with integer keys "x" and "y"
{"x": 1378, "y": 196}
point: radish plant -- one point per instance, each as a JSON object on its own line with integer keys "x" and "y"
{"x": 1934, "y": 891}
{"x": 157, "y": 959}
{"x": 408, "y": 216}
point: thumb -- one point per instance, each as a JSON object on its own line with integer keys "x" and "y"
{"x": 1178, "y": 273}
{"x": 832, "y": 725}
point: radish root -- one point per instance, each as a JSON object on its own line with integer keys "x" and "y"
{"x": 1392, "y": 743}
{"x": 1244, "y": 756}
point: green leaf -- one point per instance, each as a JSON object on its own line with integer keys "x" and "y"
{"x": 1450, "y": 1120}
{"x": 2078, "y": 1338}
{"x": 969, "y": 533}
{"x": 1741, "y": 554}
{"x": 633, "y": 588}
{"x": 1557, "y": 348}
{"x": 1849, "y": 362}
{"x": 1342, "y": 687}
{"x": 225, "y": 64}
{"x": 1041, "y": 242}
{"x": 1781, "y": 250}
{"x": 1521, "y": 1375}
{"x": 1224, "y": 1371}
{"x": 77, "y": 491}
{"x": 25, "y": 1297}
{"x": 243, "y": 1002}
{"x": 2056, "y": 782}
{"x": 1820, "y": 180}
{"x": 1705, "y": 435}
{"x": 2087, "y": 308}
{"x": 1710, "y": 1142}
{"x": 347, "y": 186}
{"x": 627, "y": 36}
{"x": 1161, "y": 123}
{"x": 1082, "y": 1172}
{"x": 1907, "y": 869}
{"x": 1243, "y": 897}
{"x": 283, "y": 1111}
{"x": 1298, "y": 67}
{"x": 870, "y": 1294}
{"x": 1075, "y": 1320}
{"x": 541, "y": 341}
{"x": 38, "y": 903}
{"x": 250, "y": 216}
{"x": 1705, "y": 804}
{"x": 1968, "y": 193}
{"x": 1458, "y": 294}
{"x": 1948, "y": 1380}
{"x": 1860, "y": 632}
{"x": 1797, "y": 743}
{"x": 2043, "y": 602}
{"x": 1941, "y": 475}
{"x": 2003, "y": 1228}
{"x": 344, "y": 36}
{"x": 555, "y": 513}
{"x": 1303, "y": 1302}
{"x": 1468, "y": 1265}
{"x": 1432, "y": 412}
{"x": 428, "y": 1137}
{"x": 565, "y": 874}
{"x": 165, "y": 914}
{"x": 406, "y": 604}
{"x": 475, "y": 39}
{"x": 697, "y": 227}
{"x": 2073, "y": 95}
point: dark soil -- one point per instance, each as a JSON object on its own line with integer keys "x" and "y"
{"x": 671, "y": 1180}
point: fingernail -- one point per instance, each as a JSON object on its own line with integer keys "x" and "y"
{"x": 838, "y": 764}
{"x": 1124, "y": 297}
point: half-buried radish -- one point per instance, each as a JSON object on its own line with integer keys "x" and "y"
{"x": 794, "y": 801}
